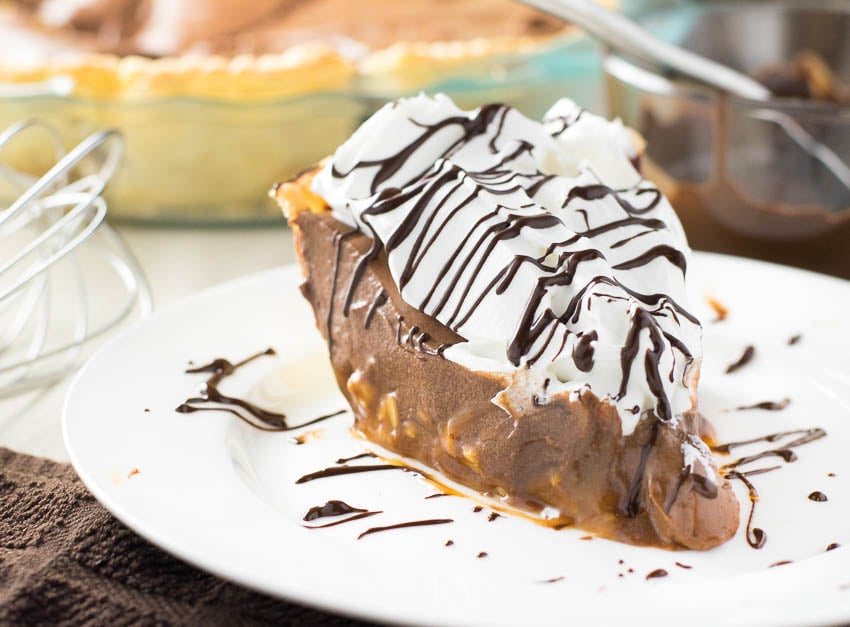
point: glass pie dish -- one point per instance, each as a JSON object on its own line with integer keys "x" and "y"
{"x": 210, "y": 158}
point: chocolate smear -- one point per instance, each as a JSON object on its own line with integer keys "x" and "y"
{"x": 345, "y": 470}
{"x": 246, "y": 411}
{"x": 404, "y": 525}
{"x": 743, "y": 360}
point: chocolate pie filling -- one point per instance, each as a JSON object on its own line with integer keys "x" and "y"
{"x": 567, "y": 455}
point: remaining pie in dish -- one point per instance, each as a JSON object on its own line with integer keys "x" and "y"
{"x": 218, "y": 97}
{"x": 504, "y": 301}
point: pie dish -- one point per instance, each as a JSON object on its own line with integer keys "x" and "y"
{"x": 504, "y": 302}
{"x": 199, "y": 88}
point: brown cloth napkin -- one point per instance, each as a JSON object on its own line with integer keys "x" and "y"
{"x": 65, "y": 560}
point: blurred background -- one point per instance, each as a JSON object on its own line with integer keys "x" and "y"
{"x": 216, "y": 100}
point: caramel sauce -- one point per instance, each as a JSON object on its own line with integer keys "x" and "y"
{"x": 721, "y": 311}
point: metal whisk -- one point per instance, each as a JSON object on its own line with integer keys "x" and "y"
{"x": 54, "y": 246}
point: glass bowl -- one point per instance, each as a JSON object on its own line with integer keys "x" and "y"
{"x": 202, "y": 161}
{"x": 732, "y": 162}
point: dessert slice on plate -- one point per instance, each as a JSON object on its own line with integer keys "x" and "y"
{"x": 503, "y": 300}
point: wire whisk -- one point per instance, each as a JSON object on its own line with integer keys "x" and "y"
{"x": 58, "y": 259}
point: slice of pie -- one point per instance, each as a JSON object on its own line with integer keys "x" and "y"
{"x": 503, "y": 300}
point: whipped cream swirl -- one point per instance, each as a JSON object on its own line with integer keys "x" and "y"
{"x": 539, "y": 244}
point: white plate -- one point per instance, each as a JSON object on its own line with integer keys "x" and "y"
{"x": 222, "y": 495}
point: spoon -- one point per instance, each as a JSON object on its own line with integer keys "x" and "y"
{"x": 621, "y": 33}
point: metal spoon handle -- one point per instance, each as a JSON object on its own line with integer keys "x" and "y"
{"x": 623, "y": 34}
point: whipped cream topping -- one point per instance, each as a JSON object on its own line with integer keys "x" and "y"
{"x": 539, "y": 244}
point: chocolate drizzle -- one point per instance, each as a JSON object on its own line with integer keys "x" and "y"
{"x": 658, "y": 572}
{"x": 755, "y": 536}
{"x": 379, "y": 302}
{"x": 631, "y": 507}
{"x": 212, "y": 399}
{"x": 818, "y": 497}
{"x": 743, "y": 360}
{"x": 331, "y": 509}
{"x": 673, "y": 255}
{"x": 349, "y": 519}
{"x": 345, "y": 460}
{"x": 766, "y": 405}
{"x": 404, "y": 525}
{"x": 339, "y": 240}
{"x": 336, "y": 471}
{"x": 583, "y": 351}
{"x": 805, "y": 436}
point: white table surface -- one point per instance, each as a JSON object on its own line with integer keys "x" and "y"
{"x": 177, "y": 262}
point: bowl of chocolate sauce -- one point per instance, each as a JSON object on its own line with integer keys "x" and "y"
{"x": 739, "y": 180}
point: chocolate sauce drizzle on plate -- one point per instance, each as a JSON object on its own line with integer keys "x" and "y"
{"x": 333, "y": 509}
{"x": 743, "y": 360}
{"x": 336, "y": 471}
{"x": 756, "y": 537}
{"x": 345, "y": 460}
{"x": 766, "y": 405}
{"x": 212, "y": 399}
{"x": 330, "y": 509}
{"x": 818, "y": 497}
{"x": 658, "y": 572}
{"x": 404, "y": 525}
